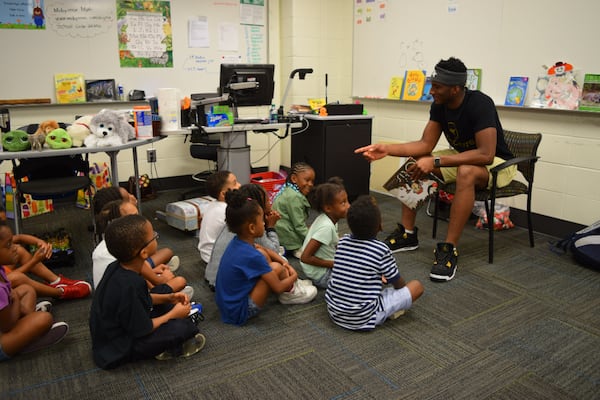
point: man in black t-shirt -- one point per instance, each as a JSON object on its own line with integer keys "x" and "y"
{"x": 469, "y": 121}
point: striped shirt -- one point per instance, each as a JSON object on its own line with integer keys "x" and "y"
{"x": 353, "y": 295}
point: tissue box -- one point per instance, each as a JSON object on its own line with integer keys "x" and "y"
{"x": 217, "y": 120}
{"x": 186, "y": 215}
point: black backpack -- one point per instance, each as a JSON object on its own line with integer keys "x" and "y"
{"x": 584, "y": 245}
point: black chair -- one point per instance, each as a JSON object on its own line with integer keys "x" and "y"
{"x": 524, "y": 147}
{"x": 204, "y": 147}
{"x": 52, "y": 177}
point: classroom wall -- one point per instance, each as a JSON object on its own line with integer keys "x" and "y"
{"x": 312, "y": 33}
{"x": 97, "y": 57}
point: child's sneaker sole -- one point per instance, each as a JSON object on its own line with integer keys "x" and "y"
{"x": 397, "y": 314}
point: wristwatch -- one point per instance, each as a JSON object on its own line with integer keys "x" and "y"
{"x": 437, "y": 163}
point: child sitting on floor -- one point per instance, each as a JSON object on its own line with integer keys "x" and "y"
{"x": 55, "y": 286}
{"x": 24, "y": 326}
{"x": 213, "y": 218}
{"x": 268, "y": 240}
{"x": 331, "y": 201}
{"x": 293, "y": 206}
{"x": 128, "y": 323}
{"x": 245, "y": 278}
{"x": 105, "y": 195}
{"x": 101, "y": 258}
{"x": 355, "y": 299}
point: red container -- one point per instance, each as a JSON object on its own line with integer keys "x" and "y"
{"x": 271, "y": 181}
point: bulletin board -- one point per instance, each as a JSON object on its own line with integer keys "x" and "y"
{"x": 502, "y": 37}
{"x": 83, "y": 36}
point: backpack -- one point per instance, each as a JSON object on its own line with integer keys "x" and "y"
{"x": 584, "y": 245}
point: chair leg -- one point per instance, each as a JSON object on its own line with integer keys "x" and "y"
{"x": 490, "y": 222}
{"x": 435, "y": 214}
{"x": 529, "y": 219}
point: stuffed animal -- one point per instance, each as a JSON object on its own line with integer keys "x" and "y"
{"x": 38, "y": 138}
{"x": 59, "y": 139}
{"x": 16, "y": 140}
{"x": 109, "y": 128}
{"x": 79, "y": 130}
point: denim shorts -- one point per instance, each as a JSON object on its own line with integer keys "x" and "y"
{"x": 253, "y": 309}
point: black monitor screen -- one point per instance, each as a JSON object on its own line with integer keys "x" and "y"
{"x": 262, "y": 74}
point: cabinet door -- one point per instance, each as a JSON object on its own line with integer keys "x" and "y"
{"x": 340, "y": 142}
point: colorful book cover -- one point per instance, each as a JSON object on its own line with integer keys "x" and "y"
{"x": 517, "y": 90}
{"x": 473, "y": 78}
{"x": 395, "y": 89}
{"x": 590, "y": 98}
{"x": 426, "y": 96}
{"x": 414, "y": 81}
{"x": 412, "y": 193}
{"x": 70, "y": 88}
{"x": 559, "y": 88}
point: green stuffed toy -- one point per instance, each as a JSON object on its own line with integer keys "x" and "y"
{"x": 59, "y": 139}
{"x": 16, "y": 140}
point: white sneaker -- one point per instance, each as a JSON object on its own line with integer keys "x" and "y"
{"x": 305, "y": 282}
{"x": 173, "y": 263}
{"x": 43, "y": 306}
{"x": 189, "y": 291}
{"x": 298, "y": 295}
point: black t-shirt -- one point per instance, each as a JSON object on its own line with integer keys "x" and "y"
{"x": 476, "y": 112}
{"x": 120, "y": 313}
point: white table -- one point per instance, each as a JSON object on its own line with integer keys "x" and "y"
{"x": 110, "y": 151}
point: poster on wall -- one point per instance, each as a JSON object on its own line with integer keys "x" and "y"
{"x": 144, "y": 34}
{"x": 22, "y": 14}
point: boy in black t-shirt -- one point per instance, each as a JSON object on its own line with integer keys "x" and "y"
{"x": 128, "y": 323}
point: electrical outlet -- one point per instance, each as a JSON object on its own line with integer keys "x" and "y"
{"x": 151, "y": 155}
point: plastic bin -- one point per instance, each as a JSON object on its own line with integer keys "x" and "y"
{"x": 271, "y": 181}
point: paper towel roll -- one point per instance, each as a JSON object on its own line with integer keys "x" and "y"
{"x": 169, "y": 108}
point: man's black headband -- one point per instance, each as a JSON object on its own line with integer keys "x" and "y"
{"x": 449, "y": 78}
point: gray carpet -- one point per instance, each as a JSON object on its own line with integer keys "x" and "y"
{"x": 526, "y": 327}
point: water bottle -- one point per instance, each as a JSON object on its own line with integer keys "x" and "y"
{"x": 273, "y": 114}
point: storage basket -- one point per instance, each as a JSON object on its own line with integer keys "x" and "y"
{"x": 271, "y": 181}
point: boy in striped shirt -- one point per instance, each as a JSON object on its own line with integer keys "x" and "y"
{"x": 355, "y": 297}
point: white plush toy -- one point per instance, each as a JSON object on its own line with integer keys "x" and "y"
{"x": 79, "y": 130}
{"x": 109, "y": 128}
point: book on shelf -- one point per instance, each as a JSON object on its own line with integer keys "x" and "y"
{"x": 426, "y": 96}
{"x": 412, "y": 193}
{"x": 473, "y": 78}
{"x": 70, "y": 88}
{"x": 558, "y": 88}
{"x": 516, "y": 91}
{"x": 590, "y": 97}
{"x": 395, "y": 89}
{"x": 414, "y": 81}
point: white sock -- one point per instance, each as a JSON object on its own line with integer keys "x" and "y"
{"x": 55, "y": 281}
{"x": 409, "y": 231}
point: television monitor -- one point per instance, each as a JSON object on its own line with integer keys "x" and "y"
{"x": 262, "y": 74}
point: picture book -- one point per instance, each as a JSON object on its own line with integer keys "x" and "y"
{"x": 517, "y": 90}
{"x": 414, "y": 81}
{"x": 474, "y": 78}
{"x": 395, "y": 89}
{"x": 426, "y": 96}
{"x": 559, "y": 88}
{"x": 412, "y": 193}
{"x": 70, "y": 88}
{"x": 590, "y": 98}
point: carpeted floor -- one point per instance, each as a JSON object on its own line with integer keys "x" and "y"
{"x": 526, "y": 327}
